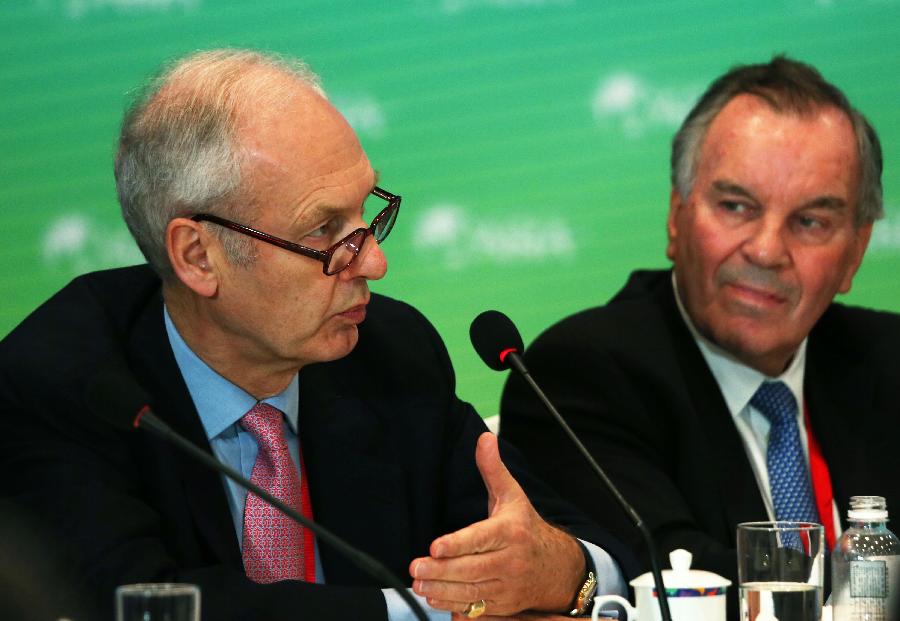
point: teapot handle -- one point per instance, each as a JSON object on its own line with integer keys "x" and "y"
{"x": 603, "y": 599}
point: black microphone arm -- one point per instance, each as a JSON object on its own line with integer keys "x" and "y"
{"x": 113, "y": 389}
{"x": 499, "y": 325}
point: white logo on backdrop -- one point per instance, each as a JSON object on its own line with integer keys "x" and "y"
{"x": 76, "y": 9}
{"x": 886, "y": 233}
{"x": 637, "y": 106}
{"x": 455, "y": 238}
{"x": 75, "y": 243}
{"x": 364, "y": 114}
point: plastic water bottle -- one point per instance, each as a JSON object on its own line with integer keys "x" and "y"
{"x": 865, "y": 565}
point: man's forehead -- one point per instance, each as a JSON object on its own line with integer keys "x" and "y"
{"x": 749, "y": 127}
{"x": 303, "y": 115}
{"x": 306, "y": 137}
{"x": 751, "y": 112}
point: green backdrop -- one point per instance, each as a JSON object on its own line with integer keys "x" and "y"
{"x": 529, "y": 138}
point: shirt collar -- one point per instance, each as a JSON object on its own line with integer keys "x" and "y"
{"x": 737, "y": 381}
{"x": 219, "y": 402}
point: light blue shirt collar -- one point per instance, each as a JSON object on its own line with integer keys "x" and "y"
{"x": 220, "y": 403}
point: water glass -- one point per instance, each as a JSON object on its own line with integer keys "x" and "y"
{"x": 780, "y": 570}
{"x": 158, "y": 602}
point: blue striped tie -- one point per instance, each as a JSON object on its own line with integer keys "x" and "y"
{"x": 792, "y": 493}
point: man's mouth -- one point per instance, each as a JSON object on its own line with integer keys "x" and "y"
{"x": 757, "y": 294}
{"x": 356, "y": 314}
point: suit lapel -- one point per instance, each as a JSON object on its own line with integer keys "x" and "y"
{"x": 346, "y": 448}
{"x": 840, "y": 395}
{"x": 737, "y": 497}
{"x": 154, "y": 362}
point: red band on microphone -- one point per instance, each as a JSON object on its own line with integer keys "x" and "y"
{"x": 141, "y": 412}
{"x": 506, "y": 352}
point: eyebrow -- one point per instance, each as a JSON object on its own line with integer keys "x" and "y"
{"x": 826, "y": 202}
{"x": 327, "y": 211}
{"x": 732, "y": 188}
{"x": 821, "y": 202}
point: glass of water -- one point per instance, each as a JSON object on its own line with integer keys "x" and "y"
{"x": 158, "y": 602}
{"x": 780, "y": 570}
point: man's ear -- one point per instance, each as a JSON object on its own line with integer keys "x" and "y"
{"x": 192, "y": 256}
{"x": 863, "y": 235}
{"x": 675, "y": 205}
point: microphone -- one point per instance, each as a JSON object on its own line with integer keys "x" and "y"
{"x": 116, "y": 397}
{"x": 498, "y": 342}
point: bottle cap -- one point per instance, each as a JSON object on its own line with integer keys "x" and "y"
{"x": 868, "y": 509}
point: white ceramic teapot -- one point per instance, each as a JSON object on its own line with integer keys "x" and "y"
{"x": 694, "y": 595}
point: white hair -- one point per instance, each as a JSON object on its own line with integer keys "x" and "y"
{"x": 178, "y": 150}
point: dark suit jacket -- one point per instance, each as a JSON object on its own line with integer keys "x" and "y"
{"x": 634, "y": 386}
{"x": 388, "y": 447}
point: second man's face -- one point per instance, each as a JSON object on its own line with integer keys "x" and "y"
{"x": 767, "y": 236}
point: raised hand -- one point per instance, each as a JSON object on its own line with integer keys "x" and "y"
{"x": 513, "y": 560}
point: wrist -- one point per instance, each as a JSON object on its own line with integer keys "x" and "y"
{"x": 567, "y": 576}
{"x": 581, "y": 602}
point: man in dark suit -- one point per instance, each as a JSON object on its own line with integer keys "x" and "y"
{"x": 775, "y": 187}
{"x": 274, "y": 355}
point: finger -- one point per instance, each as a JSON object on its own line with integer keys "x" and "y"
{"x": 525, "y": 616}
{"x": 478, "y": 538}
{"x": 459, "y": 592}
{"x": 501, "y": 485}
{"x": 414, "y": 565}
{"x": 462, "y": 617}
{"x": 449, "y": 606}
{"x": 494, "y": 610}
{"x": 491, "y": 565}
{"x": 458, "y": 608}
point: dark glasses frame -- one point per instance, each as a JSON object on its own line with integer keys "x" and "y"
{"x": 379, "y": 228}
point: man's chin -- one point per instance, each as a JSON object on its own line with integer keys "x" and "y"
{"x": 757, "y": 348}
{"x": 341, "y": 344}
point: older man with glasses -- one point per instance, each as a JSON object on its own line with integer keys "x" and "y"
{"x": 338, "y": 401}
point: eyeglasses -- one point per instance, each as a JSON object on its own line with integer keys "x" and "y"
{"x": 342, "y": 254}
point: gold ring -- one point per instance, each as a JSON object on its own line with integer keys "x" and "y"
{"x": 475, "y": 609}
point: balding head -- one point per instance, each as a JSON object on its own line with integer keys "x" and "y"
{"x": 180, "y": 150}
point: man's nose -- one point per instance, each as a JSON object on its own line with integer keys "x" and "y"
{"x": 371, "y": 263}
{"x": 766, "y": 245}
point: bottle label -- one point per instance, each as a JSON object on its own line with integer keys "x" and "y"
{"x": 869, "y": 579}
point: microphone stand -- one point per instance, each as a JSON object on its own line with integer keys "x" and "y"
{"x": 515, "y": 361}
{"x": 148, "y": 421}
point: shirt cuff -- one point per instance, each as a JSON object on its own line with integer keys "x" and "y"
{"x": 399, "y": 610}
{"x": 610, "y": 580}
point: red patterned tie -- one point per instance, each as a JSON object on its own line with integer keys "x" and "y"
{"x": 275, "y": 547}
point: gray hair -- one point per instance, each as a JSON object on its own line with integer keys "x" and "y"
{"x": 787, "y": 86}
{"x": 179, "y": 153}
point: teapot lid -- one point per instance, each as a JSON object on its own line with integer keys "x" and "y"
{"x": 681, "y": 576}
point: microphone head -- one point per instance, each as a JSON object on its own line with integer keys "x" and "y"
{"x": 115, "y": 396}
{"x": 494, "y": 336}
